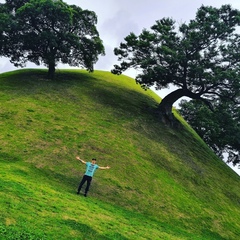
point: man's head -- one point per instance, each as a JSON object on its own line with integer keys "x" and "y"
{"x": 94, "y": 160}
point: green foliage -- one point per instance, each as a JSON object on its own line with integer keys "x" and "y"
{"x": 163, "y": 183}
{"x": 219, "y": 129}
{"x": 48, "y": 32}
{"x": 200, "y": 58}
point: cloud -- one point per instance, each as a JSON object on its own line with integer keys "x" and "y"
{"x": 117, "y": 27}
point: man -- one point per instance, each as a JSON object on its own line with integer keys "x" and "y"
{"x": 90, "y": 169}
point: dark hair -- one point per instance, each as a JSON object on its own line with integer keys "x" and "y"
{"x": 94, "y": 159}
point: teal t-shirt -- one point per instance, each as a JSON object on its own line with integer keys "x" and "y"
{"x": 91, "y": 168}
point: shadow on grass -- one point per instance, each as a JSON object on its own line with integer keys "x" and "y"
{"x": 6, "y": 157}
{"x": 89, "y": 233}
{"x": 32, "y": 81}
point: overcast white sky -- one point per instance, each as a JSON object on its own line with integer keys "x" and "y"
{"x": 117, "y": 18}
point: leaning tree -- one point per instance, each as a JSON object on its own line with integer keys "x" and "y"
{"x": 201, "y": 58}
{"x": 48, "y": 32}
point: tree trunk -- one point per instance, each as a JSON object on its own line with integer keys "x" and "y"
{"x": 51, "y": 69}
{"x": 165, "y": 106}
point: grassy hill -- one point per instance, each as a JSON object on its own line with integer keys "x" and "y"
{"x": 163, "y": 183}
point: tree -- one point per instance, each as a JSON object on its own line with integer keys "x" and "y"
{"x": 50, "y": 31}
{"x": 201, "y": 59}
{"x": 220, "y": 128}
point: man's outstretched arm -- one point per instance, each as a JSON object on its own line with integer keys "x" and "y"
{"x": 107, "y": 167}
{"x": 78, "y": 158}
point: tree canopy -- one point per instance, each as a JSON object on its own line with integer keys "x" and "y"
{"x": 48, "y": 32}
{"x": 220, "y": 128}
{"x": 201, "y": 58}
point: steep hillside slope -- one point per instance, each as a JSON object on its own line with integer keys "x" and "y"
{"x": 163, "y": 183}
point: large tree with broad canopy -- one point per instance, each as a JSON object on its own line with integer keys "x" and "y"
{"x": 201, "y": 58}
{"x": 48, "y": 32}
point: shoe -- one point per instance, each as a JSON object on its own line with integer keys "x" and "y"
{"x": 85, "y": 195}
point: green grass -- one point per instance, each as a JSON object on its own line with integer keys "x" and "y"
{"x": 163, "y": 183}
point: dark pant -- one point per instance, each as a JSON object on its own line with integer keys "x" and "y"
{"x": 84, "y": 179}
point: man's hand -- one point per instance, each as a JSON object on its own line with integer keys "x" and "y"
{"x": 107, "y": 167}
{"x": 78, "y": 158}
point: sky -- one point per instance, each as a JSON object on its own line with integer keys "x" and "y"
{"x": 117, "y": 18}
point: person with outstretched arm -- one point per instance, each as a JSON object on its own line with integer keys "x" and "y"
{"x": 91, "y": 167}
